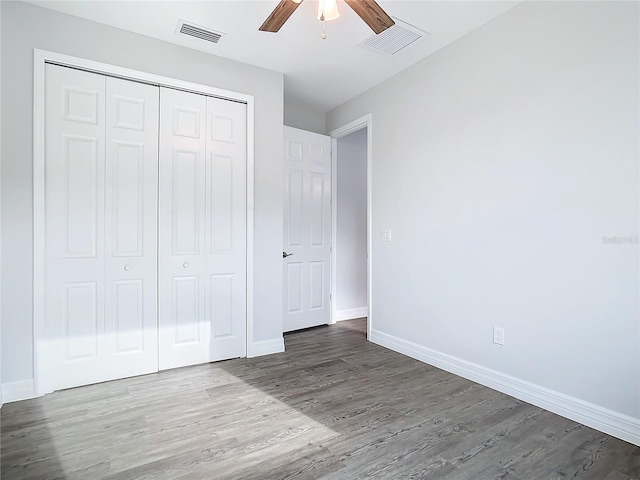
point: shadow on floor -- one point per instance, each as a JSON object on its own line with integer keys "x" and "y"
{"x": 25, "y": 424}
{"x": 395, "y": 417}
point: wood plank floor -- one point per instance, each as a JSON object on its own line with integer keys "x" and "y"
{"x": 333, "y": 406}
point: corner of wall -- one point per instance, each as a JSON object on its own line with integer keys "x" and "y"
{"x": 304, "y": 117}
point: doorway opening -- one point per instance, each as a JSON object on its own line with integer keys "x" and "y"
{"x": 351, "y": 222}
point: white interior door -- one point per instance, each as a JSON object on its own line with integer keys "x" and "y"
{"x": 307, "y": 229}
{"x": 202, "y": 229}
{"x": 100, "y": 242}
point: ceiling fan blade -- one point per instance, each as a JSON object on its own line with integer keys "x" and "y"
{"x": 372, "y": 14}
{"x": 279, "y": 15}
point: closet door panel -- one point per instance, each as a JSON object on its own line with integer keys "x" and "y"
{"x": 131, "y": 227}
{"x": 226, "y": 226}
{"x": 184, "y": 332}
{"x": 73, "y": 342}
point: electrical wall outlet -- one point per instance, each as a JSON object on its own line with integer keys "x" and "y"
{"x": 498, "y": 335}
{"x": 386, "y": 235}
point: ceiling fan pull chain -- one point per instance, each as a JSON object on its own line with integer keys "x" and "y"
{"x": 322, "y": 19}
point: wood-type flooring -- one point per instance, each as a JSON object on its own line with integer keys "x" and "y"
{"x": 333, "y": 406}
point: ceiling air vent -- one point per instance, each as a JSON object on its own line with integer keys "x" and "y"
{"x": 394, "y": 39}
{"x": 197, "y": 31}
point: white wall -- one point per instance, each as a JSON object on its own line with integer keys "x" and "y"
{"x": 500, "y": 162}
{"x": 31, "y": 27}
{"x": 304, "y": 117}
{"x": 351, "y": 234}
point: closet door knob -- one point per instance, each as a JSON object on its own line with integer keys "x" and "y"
{"x": 185, "y": 265}
{"x": 127, "y": 268}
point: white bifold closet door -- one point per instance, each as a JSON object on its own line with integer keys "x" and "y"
{"x": 145, "y": 229}
{"x": 101, "y": 173}
{"x": 202, "y": 229}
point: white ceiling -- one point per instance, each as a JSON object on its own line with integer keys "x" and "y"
{"x": 320, "y": 74}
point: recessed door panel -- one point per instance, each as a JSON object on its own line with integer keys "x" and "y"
{"x": 81, "y": 195}
{"x": 186, "y": 195}
{"x": 294, "y": 149}
{"x": 318, "y": 152}
{"x": 316, "y": 213}
{"x": 128, "y": 312}
{"x": 295, "y": 205}
{"x": 222, "y": 208}
{"x": 222, "y": 129}
{"x": 294, "y": 287}
{"x": 316, "y": 285}
{"x": 129, "y": 112}
{"x": 186, "y": 121}
{"x": 128, "y": 198}
{"x": 82, "y": 105}
{"x": 80, "y": 316}
{"x": 222, "y": 305}
{"x": 186, "y": 315}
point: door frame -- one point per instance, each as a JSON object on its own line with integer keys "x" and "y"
{"x": 366, "y": 121}
{"x": 40, "y": 59}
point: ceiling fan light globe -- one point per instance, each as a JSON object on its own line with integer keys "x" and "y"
{"x": 328, "y": 10}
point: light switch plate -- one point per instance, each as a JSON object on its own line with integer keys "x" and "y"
{"x": 386, "y": 235}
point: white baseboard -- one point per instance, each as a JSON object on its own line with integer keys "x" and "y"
{"x": 16, "y": 391}
{"x": 351, "y": 314}
{"x": 24, "y": 389}
{"x": 612, "y": 423}
{"x": 265, "y": 347}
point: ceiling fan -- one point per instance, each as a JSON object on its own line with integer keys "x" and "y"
{"x": 368, "y": 10}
